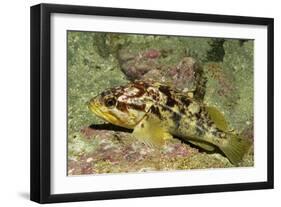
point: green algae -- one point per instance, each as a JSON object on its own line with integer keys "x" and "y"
{"x": 94, "y": 65}
{"x": 197, "y": 47}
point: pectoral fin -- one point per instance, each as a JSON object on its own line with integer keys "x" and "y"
{"x": 151, "y": 132}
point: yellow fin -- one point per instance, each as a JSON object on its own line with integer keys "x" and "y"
{"x": 203, "y": 145}
{"x": 151, "y": 132}
{"x": 235, "y": 148}
{"x": 217, "y": 117}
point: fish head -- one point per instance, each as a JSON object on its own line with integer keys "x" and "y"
{"x": 123, "y": 106}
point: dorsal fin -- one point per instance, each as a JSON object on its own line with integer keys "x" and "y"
{"x": 217, "y": 117}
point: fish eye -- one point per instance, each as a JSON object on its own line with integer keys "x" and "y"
{"x": 110, "y": 102}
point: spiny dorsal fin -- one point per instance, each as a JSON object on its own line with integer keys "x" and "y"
{"x": 217, "y": 117}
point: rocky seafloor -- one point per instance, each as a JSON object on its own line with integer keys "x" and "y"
{"x": 218, "y": 72}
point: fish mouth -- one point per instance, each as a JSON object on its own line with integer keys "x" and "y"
{"x": 96, "y": 108}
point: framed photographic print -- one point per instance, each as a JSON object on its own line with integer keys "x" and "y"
{"x": 132, "y": 103}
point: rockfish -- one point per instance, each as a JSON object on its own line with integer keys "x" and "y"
{"x": 157, "y": 112}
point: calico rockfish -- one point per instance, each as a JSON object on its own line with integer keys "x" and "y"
{"x": 156, "y": 112}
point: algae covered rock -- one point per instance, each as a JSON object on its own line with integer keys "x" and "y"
{"x": 166, "y": 60}
{"x": 229, "y": 84}
{"x": 115, "y": 151}
{"x": 88, "y": 74}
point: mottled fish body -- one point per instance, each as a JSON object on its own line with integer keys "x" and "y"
{"x": 156, "y": 112}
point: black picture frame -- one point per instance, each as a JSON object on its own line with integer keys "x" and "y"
{"x": 41, "y": 99}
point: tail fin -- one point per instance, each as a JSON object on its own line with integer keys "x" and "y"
{"x": 235, "y": 148}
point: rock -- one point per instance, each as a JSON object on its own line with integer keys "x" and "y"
{"x": 229, "y": 84}
{"x": 117, "y": 151}
{"x": 185, "y": 75}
